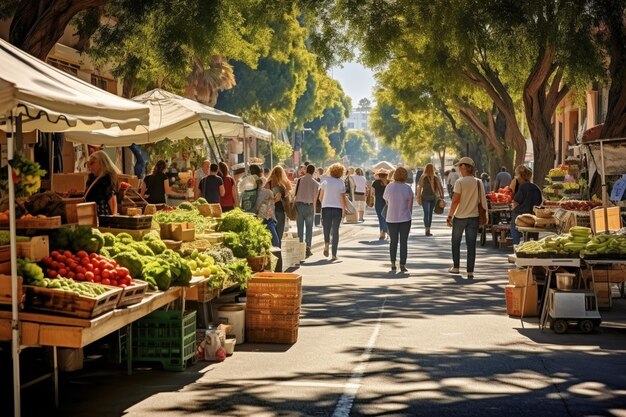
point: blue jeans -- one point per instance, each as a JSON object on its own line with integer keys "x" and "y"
{"x": 428, "y": 204}
{"x": 305, "y": 221}
{"x": 270, "y": 224}
{"x": 399, "y": 232}
{"x": 331, "y": 220}
{"x": 280, "y": 224}
{"x": 470, "y": 227}
{"x": 382, "y": 223}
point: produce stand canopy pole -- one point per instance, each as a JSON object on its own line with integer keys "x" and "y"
{"x": 245, "y": 151}
{"x": 604, "y": 194}
{"x": 206, "y": 137}
{"x": 217, "y": 146}
{"x": 15, "y": 331}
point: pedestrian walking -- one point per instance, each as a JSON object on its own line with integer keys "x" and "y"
{"x": 464, "y": 215}
{"x": 502, "y": 179}
{"x": 452, "y": 177}
{"x": 333, "y": 196}
{"x": 212, "y": 186}
{"x": 360, "y": 189}
{"x": 399, "y": 198}
{"x": 484, "y": 177}
{"x": 306, "y": 192}
{"x": 198, "y": 175}
{"x": 280, "y": 186}
{"x": 379, "y": 202}
{"x": 428, "y": 190}
{"x": 230, "y": 199}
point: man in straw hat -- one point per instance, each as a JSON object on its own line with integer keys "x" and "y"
{"x": 464, "y": 216}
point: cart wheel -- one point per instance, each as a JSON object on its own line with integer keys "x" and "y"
{"x": 483, "y": 235}
{"x": 586, "y": 326}
{"x": 560, "y": 326}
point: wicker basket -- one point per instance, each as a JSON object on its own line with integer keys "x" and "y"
{"x": 544, "y": 213}
{"x": 257, "y": 263}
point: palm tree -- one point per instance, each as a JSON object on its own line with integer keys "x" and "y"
{"x": 206, "y": 81}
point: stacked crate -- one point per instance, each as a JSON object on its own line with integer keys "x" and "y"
{"x": 273, "y": 308}
{"x": 168, "y": 337}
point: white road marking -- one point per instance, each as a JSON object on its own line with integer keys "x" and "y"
{"x": 344, "y": 406}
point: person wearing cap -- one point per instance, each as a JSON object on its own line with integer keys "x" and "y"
{"x": 379, "y": 186}
{"x": 464, "y": 216}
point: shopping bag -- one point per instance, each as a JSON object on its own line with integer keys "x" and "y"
{"x": 289, "y": 204}
{"x": 440, "y": 204}
{"x": 350, "y": 209}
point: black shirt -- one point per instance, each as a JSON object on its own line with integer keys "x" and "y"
{"x": 528, "y": 195}
{"x": 100, "y": 193}
{"x": 155, "y": 188}
{"x": 210, "y": 188}
{"x": 379, "y": 190}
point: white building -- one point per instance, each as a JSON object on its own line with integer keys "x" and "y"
{"x": 358, "y": 119}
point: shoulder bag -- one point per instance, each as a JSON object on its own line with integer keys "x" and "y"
{"x": 482, "y": 211}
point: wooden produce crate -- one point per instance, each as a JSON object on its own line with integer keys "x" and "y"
{"x": 5, "y": 290}
{"x": 71, "y": 304}
{"x": 5, "y": 253}
{"x": 35, "y": 223}
{"x": 202, "y": 291}
{"x": 184, "y": 232}
{"x": 35, "y": 250}
{"x": 84, "y": 214}
{"x": 69, "y": 183}
{"x": 133, "y": 294}
{"x": 126, "y": 222}
{"x": 280, "y": 336}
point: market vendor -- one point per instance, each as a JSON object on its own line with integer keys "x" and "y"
{"x": 101, "y": 183}
{"x": 528, "y": 195}
{"x": 157, "y": 185}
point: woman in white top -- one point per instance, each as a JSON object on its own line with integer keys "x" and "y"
{"x": 399, "y": 198}
{"x": 333, "y": 197}
{"x": 464, "y": 216}
{"x": 360, "y": 189}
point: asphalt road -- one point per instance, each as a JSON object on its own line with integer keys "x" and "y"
{"x": 375, "y": 343}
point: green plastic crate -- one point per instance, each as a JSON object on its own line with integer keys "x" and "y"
{"x": 168, "y": 337}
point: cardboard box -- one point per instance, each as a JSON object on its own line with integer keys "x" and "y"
{"x": 184, "y": 232}
{"x": 514, "y": 296}
{"x": 35, "y": 250}
{"x": 520, "y": 278}
{"x": 131, "y": 179}
{"x": 65, "y": 183}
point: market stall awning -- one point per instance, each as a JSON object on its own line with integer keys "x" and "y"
{"x": 171, "y": 117}
{"x": 51, "y": 100}
{"x": 257, "y": 132}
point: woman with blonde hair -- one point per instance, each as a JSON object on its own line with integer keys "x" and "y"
{"x": 102, "y": 183}
{"x": 280, "y": 186}
{"x": 399, "y": 198}
{"x": 427, "y": 189}
{"x": 333, "y": 197}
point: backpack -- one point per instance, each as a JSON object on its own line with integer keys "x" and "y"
{"x": 248, "y": 200}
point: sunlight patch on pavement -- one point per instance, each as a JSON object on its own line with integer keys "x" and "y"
{"x": 597, "y": 390}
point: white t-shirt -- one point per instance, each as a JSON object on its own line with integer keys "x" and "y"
{"x": 333, "y": 188}
{"x": 469, "y": 187}
{"x": 360, "y": 183}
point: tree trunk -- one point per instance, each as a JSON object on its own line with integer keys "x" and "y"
{"x": 615, "y": 123}
{"x": 38, "y": 24}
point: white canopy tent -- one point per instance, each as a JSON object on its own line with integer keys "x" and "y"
{"x": 171, "y": 117}
{"x": 44, "y": 98}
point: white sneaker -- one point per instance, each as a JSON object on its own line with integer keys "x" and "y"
{"x": 453, "y": 270}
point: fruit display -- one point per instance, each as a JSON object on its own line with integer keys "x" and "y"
{"x": 560, "y": 172}
{"x": 5, "y": 238}
{"x": 26, "y": 176}
{"x": 502, "y": 196}
{"x": 574, "y": 205}
{"x": 82, "y": 266}
{"x": 564, "y": 245}
{"x": 220, "y": 269}
{"x": 605, "y": 246}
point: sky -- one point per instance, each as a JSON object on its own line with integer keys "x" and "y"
{"x": 356, "y": 81}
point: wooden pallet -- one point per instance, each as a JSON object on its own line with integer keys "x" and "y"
{"x": 5, "y": 290}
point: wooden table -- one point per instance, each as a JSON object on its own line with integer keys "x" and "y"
{"x": 526, "y": 230}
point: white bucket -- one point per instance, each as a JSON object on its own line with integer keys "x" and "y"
{"x": 235, "y": 315}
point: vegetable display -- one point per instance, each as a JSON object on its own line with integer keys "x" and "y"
{"x": 26, "y": 176}
{"x": 186, "y": 213}
{"x": 80, "y": 238}
{"x": 247, "y": 235}
{"x": 566, "y": 245}
{"x": 605, "y": 245}
{"x": 82, "y": 266}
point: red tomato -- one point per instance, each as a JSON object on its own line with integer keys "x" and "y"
{"x": 80, "y": 276}
{"x": 89, "y": 267}
{"x": 123, "y": 285}
{"x": 121, "y": 272}
{"x": 105, "y": 282}
{"x": 89, "y": 275}
{"x": 67, "y": 254}
{"x": 105, "y": 274}
{"x": 54, "y": 265}
{"x": 114, "y": 282}
{"x": 97, "y": 278}
{"x": 82, "y": 254}
{"x": 63, "y": 272}
{"x": 52, "y": 273}
{"x": 96, "y": 271}
{"x": 94, "y": 256}
{"x": 85, "y": 261}
{"x": 71, "y": 275}
{"x": 54, "y": 253}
